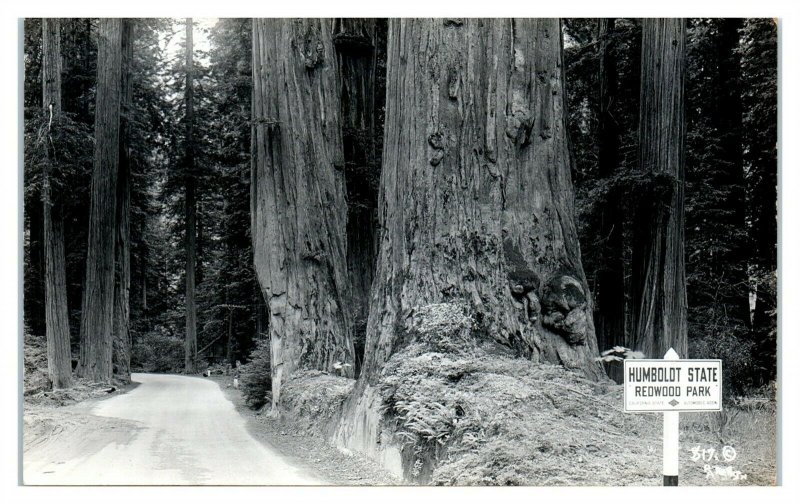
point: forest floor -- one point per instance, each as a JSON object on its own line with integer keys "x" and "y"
{"x": 337, "y": 466}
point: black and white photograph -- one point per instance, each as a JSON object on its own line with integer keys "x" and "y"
{"x": 399, "y": 251}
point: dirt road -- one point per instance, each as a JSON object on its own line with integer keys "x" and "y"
{"x": 170, "y": 430}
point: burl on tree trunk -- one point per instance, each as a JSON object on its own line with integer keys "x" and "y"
{"x": 476, "y": 198}
{"x": 299, "y": 212}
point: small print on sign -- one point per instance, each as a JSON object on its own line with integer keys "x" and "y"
{"x": 680, "y": 385}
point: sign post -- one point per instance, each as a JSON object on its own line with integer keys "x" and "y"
{"x": 671, "y": 448}
{"x": 671, "y": 385}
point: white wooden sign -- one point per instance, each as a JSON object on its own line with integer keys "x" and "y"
{"x": 655, "y": 385}
{"x": 669, "y": 386}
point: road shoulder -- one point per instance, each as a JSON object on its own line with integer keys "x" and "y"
{"x": 313, "y": 453}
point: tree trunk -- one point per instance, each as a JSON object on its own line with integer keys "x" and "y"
{"x": 659, "y": 278}
{"x": 476, "y": 197}
{"x": 59, "y": 357}
{"x": 298, "y": 203}
{"x": 356, "y": 41}
{"x": 122, "y": 309}
{"x": 190, "y": 346}
{"x": 98, "y": 298}
{"x": 610, "y": 287}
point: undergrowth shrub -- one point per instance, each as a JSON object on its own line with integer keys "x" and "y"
{"x": 737, "y": 359}
{"x": 255, "y": 379}
{"x": 158, "y": 352}
{"x": 35, "y": 377}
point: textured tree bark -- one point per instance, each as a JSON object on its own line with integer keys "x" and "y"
{"x": 356, "y": 40}
{"x": 122, "y": 286}
{"x": 190, "y": 346}
{"x": 59, "y": 357}
{"x": 476, "y": 199}
{"x": 610, "y": 288}
{"x": 98, "y": 297}
{"x": 659, "y": 277}
{"x": 298, "y": 203}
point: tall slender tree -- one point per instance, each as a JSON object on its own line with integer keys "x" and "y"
{"x": 191, "y": 208}
{"x": 98, "y": 298}
{"x": 298, "y": 206}
{"x": 59, "y": 361}
{"x": 659, "y": 283}
{"x": 122, "y": 287}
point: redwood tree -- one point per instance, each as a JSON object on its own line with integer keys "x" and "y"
{"x": 190, "y": 346}
{"x": 122, "y": 338}
{"x": 299, "y": 212}
{"x": 98, "y": 296}
{"x": 59, "y": 360}
{"x": 476, "y": 198}
{"x": 659, "y": 278}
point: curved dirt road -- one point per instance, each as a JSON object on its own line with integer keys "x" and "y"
{"x": 170, "y": 430}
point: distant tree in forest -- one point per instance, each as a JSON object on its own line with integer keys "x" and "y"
{"x": 191, "y": 207}
{"x": 33, "y": 246}
{"x": 230, "y": 295}
{"x": 716, "y": 233}
{"x": 760, "y": 126}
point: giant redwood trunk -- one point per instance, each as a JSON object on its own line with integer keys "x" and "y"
{"x": 122, "y": 310}
{"x": 659, "y": 278}
{"x": 190, "y": 343}
{"x": 476, "y": 198}
{"x": 298, "y": 203}
{"x": 356, "y": 48}
{"x": 98, "y": 296}
{"x": 59, "y": 359}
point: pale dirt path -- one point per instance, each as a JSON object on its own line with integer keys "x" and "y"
{"x": 170, "y": 430}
